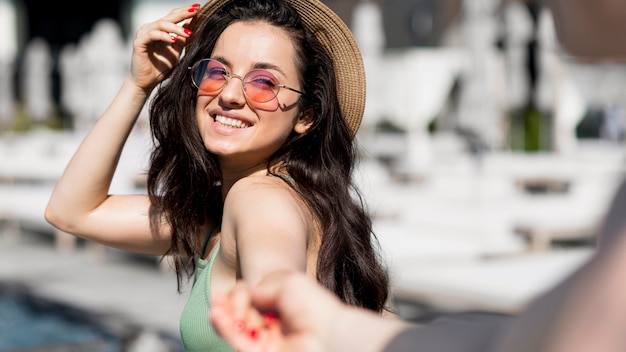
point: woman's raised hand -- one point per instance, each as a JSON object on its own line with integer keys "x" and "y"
{"x": 158, "y": 46}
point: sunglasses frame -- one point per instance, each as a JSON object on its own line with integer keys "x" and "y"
{"x": 229, "y": 75}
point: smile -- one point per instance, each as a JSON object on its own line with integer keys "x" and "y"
{"x": 227, "y": 121}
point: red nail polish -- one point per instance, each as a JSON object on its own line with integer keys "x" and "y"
{"x": 195, "y": 5}
{"x": 239, "y": 326}
{"x": 269, "y": 318}
{"x": 188, "y": 31}
{"x": 174, "y": 38}
{"x": 193, "y": 9}
{"x": 254, "y": 334}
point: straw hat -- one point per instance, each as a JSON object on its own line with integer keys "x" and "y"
{"x": 336, "y": 38}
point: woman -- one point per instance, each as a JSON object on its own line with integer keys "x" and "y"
{"x": 251, "y": 173}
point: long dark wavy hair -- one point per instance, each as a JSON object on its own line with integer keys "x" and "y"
{"x": 184, "y": 178}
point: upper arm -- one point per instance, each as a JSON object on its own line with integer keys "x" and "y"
{"x": 270, "y": 225}
{"x": 121, "y": 221}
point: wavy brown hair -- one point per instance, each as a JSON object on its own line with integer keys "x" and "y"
{"x": 184, "y": 178}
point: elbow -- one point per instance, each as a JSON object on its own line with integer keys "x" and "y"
{"x": 55, "y": 217}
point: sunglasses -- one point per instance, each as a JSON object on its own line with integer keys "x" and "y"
{"x": 260, "y": 86}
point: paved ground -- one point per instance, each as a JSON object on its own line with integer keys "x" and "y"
{"x": 438, "y": 232}
{"x": 130, "y": 291}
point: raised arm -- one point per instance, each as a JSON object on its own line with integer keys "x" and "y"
{"x": 80, "y": 203}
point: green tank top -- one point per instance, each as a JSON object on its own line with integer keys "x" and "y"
{"x": 196, "y": 330}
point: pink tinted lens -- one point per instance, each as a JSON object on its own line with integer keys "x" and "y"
{"x": 261, "y": 86}
{"x": 210, "y": 76}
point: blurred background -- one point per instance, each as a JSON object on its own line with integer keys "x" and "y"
{"x": 489, "y": 158}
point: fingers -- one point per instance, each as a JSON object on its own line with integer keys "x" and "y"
{"x": 158, "y": 46}
{"x": 171, "y": 27}
{"x": 236, "y": 310}
{"x": 266, "y": 296}
{"x": 227, "y": 326}
{"x": 237, "y": 322}
{"x": 246, "y": 316}
{"x": 285, "y": 292}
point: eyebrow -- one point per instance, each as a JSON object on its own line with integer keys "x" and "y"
{"x": 258, "y": 65}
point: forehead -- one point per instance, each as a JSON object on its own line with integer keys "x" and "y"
{"x": 246, "y": 44}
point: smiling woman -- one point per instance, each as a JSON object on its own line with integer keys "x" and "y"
{"x": 251, "y": 173}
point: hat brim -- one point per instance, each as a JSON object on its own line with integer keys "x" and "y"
{"x": 338, "y": 41}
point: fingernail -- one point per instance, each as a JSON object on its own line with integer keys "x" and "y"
{"x": 195, "y": 5}
{"x": 239, "y": 326}
{"x": 193, "y": 9}
{"x": 269, "y": 318}
{"x": 188, "y": 31}
{"x": 254, "y": 334}
{"x": 174, "y": 38}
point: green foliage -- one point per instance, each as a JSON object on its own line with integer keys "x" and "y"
{"x": 388, "y": 126}
{"x": 23, "y": 122}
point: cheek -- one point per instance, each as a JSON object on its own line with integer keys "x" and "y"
{"x": 202, "y": 114}
{"x": 271, "y": 105}
{"x": 204, "y": 96}
{"x": 202, "y": 101}
{"x": 283, "y": 124}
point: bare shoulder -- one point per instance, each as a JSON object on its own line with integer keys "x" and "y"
{"x": 260, "y": 186}
{"x": 263, "y": 195}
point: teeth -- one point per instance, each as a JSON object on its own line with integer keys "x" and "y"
{"x": 230, "y": 122}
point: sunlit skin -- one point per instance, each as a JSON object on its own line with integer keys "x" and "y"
{"x": 265, "y": 227}
{"x": 242, "y": 47}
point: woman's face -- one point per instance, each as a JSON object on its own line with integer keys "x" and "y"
{"x": 241, "y": 132}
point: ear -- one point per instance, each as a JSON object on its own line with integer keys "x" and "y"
{"x": 305, "y": 121}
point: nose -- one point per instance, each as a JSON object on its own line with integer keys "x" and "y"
{"x": 232, "y": 93}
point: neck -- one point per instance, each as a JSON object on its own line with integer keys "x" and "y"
{"x": 232, "y": 175}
